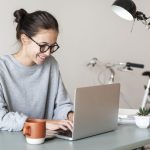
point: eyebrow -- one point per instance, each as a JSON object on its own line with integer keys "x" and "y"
{"x": 47, "y": 43}
{"x": 44, "y": 42}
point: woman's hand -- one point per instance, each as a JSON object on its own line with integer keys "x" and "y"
{"x": 55, "y": 125}
{"x": 70, "y": 116}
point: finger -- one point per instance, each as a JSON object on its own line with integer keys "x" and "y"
{"x": 59, "y": 124}
{"x": 51, "y": 126}
{"x": 50, "y": 132}
{"x": 63, "y": 127}
{"x": 68, "y": 124}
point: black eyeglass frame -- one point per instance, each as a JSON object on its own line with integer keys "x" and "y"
{"x": 42, "y": 45}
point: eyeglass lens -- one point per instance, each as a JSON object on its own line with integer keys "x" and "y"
{"x": 44, "y": 48}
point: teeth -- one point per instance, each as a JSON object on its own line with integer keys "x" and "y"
{"x": 42, "y": 57}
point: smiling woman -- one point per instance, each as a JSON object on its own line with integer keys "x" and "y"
{"x": 30, "y": 80}
{"x": 38, "y": 33}
{"x": 42, "y": 49}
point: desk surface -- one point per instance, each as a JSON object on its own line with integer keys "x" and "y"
{"x": 126, "y": 137}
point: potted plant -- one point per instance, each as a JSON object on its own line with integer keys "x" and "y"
{"x": 142, "y": 119}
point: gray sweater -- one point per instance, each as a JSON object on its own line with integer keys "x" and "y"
{"x": 35, "y": 91}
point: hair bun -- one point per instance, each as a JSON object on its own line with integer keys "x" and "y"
{"x": 19, "y": 15}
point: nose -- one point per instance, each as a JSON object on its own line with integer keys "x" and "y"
{"x": 47, "y": 53}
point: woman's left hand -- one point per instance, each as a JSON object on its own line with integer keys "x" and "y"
{"x": 70, "y": 116}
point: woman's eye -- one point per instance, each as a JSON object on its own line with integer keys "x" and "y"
{"x": 44, "y": 47}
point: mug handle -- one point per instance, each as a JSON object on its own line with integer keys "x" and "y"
{"x": 27, "y": 130}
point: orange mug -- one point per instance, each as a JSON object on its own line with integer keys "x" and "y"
{"x": 35, "y": 131}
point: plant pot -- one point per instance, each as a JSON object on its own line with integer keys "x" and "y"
{"x": 142, "y": 121}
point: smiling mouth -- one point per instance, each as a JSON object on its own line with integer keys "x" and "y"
{"x": 42, "y": 58}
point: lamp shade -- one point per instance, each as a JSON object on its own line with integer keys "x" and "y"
{"x": 126, "y": 9}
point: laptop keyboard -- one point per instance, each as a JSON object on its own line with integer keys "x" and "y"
{"x": 67, "y": 133}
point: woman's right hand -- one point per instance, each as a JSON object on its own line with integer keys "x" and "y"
{"x": 55, "y": 125}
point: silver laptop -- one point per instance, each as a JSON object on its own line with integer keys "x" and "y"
{"x": 96, "y": 111}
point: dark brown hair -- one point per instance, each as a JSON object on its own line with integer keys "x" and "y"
{"x": 31, "y": 23}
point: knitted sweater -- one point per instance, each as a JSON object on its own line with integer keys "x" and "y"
{"x": 36, "y": 91}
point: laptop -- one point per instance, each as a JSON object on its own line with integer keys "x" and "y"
{"x": 95, "y": 111}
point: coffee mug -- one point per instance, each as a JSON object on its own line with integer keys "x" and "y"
{"x": 35, "y": 131}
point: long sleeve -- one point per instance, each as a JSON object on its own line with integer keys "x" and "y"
{"x": 10, "y": 121}
{"x": 63, "y": 102}
{"x": 36, "y": 92}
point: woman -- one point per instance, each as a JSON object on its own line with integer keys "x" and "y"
{"x": 30, "y": 81}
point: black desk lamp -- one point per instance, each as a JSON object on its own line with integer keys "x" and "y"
{"x": 126, "y": 9}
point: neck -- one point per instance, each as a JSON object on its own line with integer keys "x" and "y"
{"x": 23, "y": 58}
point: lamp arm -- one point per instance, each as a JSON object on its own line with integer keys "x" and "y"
{"x": 148, "y": 18}
{"x": 140, "y": 16}
{"x": 144, "y": 101}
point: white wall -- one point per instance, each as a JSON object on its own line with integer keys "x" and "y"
{"x": 88, "y": 28}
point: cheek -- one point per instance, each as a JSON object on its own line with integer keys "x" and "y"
{"x": 33, "y": 51}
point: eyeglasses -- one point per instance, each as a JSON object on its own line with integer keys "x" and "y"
{"x": 45, "y": 47}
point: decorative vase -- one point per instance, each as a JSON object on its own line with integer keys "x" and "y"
{"x": 142, "y": 121}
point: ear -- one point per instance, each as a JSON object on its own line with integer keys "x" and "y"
{"x": 24, "y": 39}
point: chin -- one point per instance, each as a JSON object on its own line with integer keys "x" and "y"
{"x": 39, "y": 62}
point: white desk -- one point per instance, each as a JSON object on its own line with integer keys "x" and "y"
{"x": 126, "y": 137}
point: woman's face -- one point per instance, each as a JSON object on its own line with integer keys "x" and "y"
{"x": 42, "y": 37}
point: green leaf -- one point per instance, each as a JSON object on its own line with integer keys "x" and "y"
{"x": 143, "y": 111}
